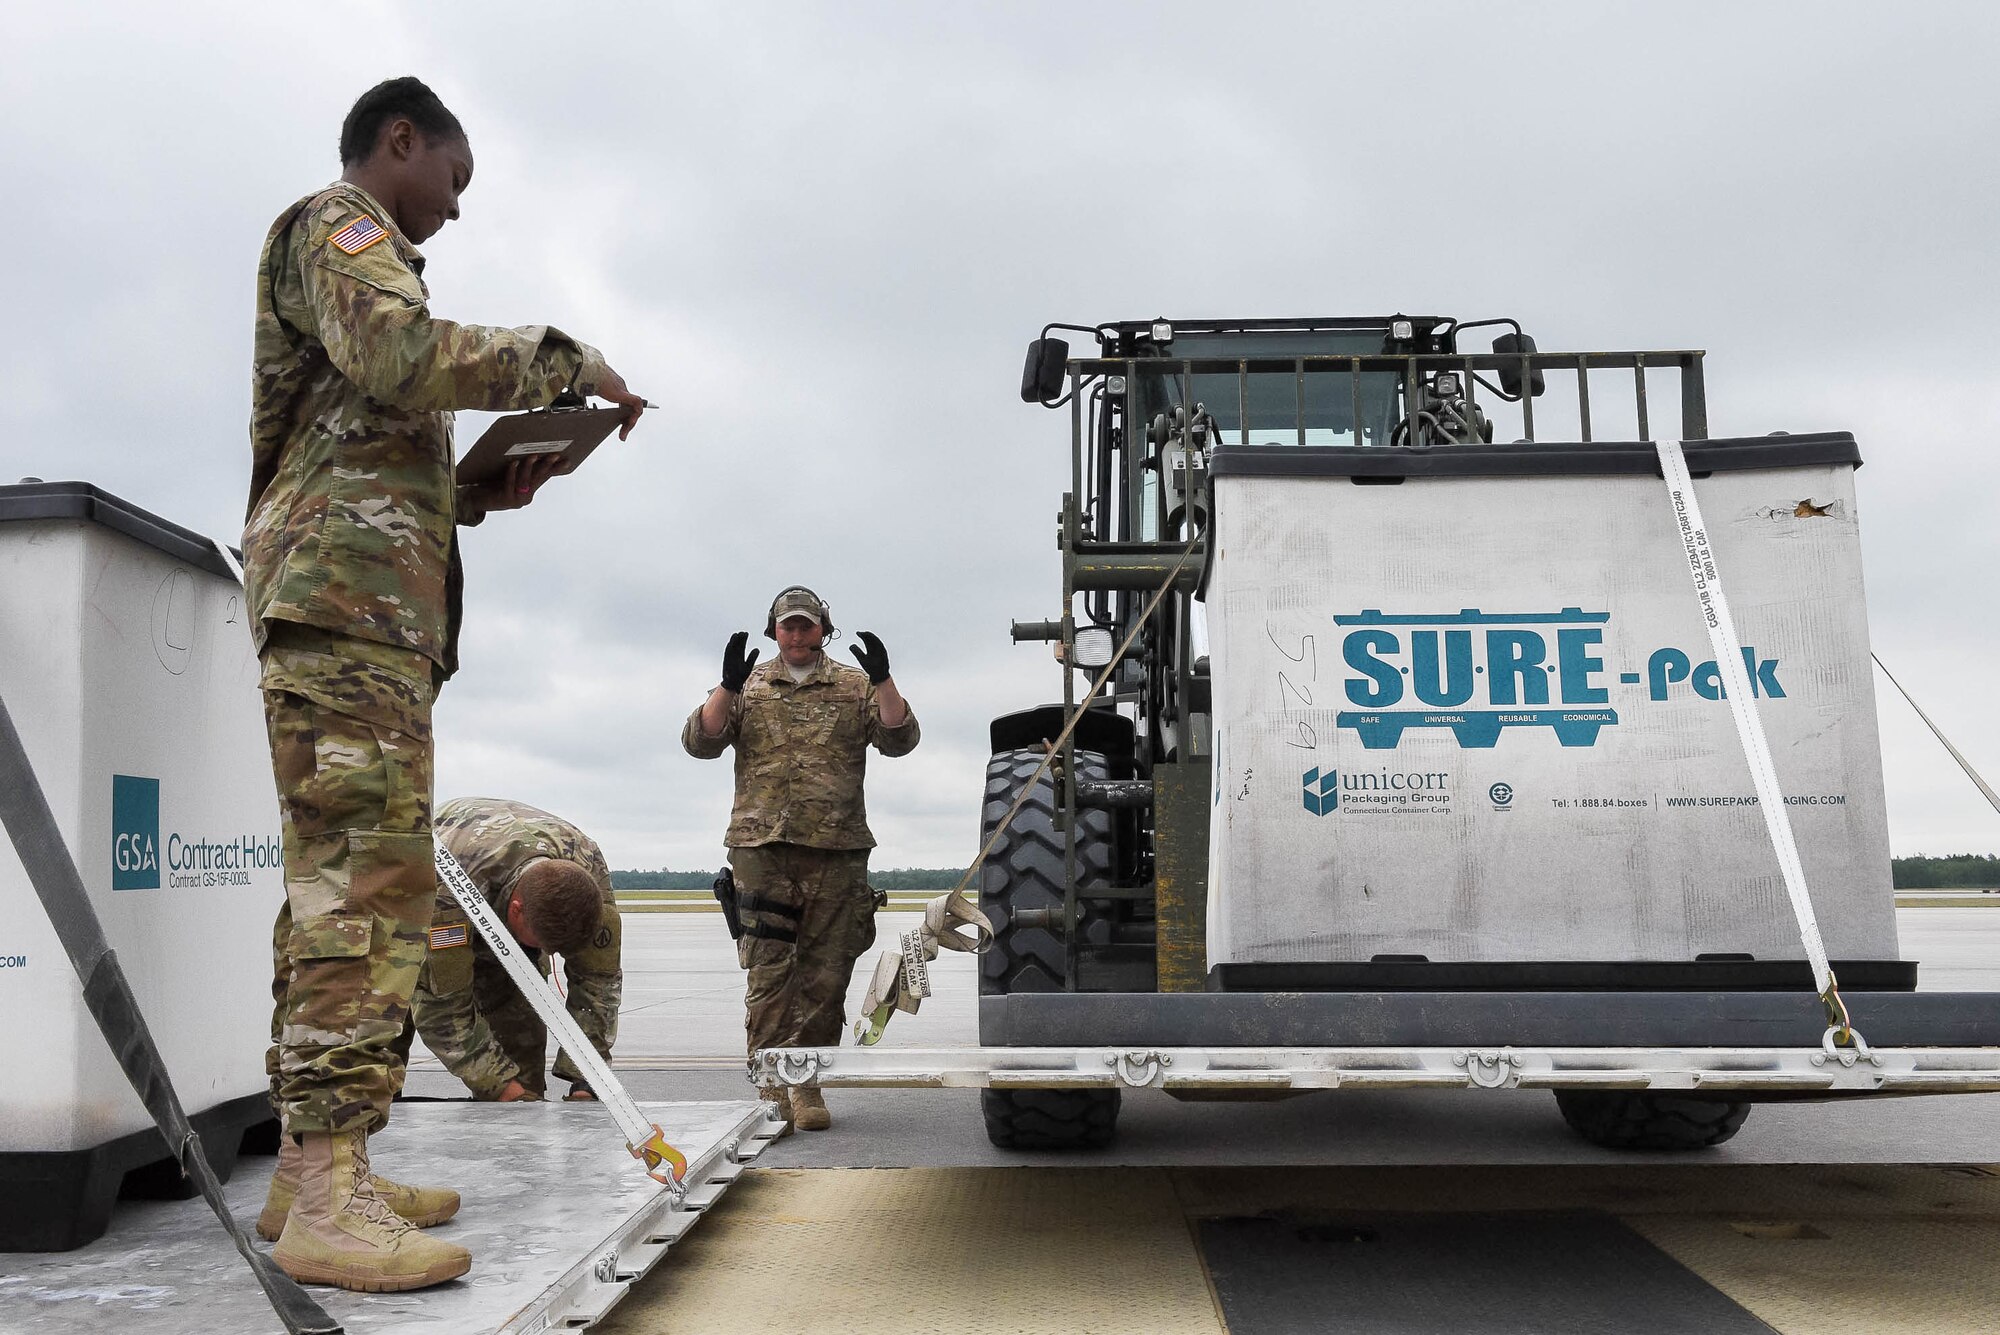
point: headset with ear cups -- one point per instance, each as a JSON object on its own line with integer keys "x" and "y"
{"x": 826, "y": 626}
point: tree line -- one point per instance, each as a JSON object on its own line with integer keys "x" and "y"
{"x": 893, "y": 878}
{"x": 1959, "y": 870}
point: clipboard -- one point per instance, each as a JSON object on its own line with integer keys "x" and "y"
{"x": 570, "y": 432}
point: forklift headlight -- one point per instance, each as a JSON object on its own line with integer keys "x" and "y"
{"x": 1163, "y": 332}
{"x": 1402, "y": 330}
{"x": 1446, "y": 385}
{"x": 1093, "y": 647}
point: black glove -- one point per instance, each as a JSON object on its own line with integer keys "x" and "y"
{"x": 736, "y": 664}
{"x": 874, "y": 659}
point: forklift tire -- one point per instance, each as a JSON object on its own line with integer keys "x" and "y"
{"x": 1620, "y": 1120}
{"x": 1025, "y": 870}
{"x": 1050, "y": 1119}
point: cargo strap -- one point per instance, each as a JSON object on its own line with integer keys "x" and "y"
{"x": 902, "y": 977}
{"x": 37, "y": 839}
{"x": 646, "y": 1141}
{"x": 1936, "y": 732}
{"x": 1728, "y": 651}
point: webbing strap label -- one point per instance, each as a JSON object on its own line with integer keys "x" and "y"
{"x": 916, "y": 969}
{"x": 1729, "y": 659}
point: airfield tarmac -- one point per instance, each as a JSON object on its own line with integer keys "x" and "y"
{"x": 1387, "y": 1211}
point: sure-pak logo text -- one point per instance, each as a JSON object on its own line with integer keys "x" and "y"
{"x": 1480, "y": 673}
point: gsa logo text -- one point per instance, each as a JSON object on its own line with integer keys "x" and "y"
{"x": 135, "y": 833}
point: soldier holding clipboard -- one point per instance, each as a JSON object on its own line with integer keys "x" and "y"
{"x": 351, "y": 576}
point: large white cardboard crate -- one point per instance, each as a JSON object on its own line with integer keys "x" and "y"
{"x": 126, "y": 662}
{"x": 1473, "y": 716}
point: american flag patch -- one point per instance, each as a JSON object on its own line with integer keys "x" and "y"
{"x": 454, "y": 935}
{"x": 356, "y": 237}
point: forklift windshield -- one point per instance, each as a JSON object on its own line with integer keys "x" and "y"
{"x": 1286, "y": 405}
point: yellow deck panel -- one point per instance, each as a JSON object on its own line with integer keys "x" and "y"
{"x": 1005, "y": 1251}
{"x": 1812, "y": 1250}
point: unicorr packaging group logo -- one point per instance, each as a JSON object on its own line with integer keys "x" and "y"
{"x": 1322, "y": 791}
{"x": 135, "y": 833}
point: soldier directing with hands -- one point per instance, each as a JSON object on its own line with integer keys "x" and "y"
{"x": 549, "y": 882}
{"x": 798, "y": 833}
{"x": 351, "y": 575}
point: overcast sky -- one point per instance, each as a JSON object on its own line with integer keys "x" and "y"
{"x": 822, "y": 234}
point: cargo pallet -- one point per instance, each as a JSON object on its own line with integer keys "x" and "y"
{"x": 560, "y": 1221}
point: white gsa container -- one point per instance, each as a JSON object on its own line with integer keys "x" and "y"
{"x": 127, "y": 664}
{"x": 1474, "y": 715}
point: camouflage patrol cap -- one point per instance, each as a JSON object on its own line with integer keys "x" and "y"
{"x": 797, "y": 601}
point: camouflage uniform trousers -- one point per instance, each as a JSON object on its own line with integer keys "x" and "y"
{"x": 797, "y": 988}
{"x": 349, "y": 723}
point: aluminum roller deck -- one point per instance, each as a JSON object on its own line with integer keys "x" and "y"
{"x": 559, "y": 1219}
{"x": 1828, "y": 1071}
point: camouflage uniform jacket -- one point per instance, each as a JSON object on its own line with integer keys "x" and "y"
{"x": 494, "y": 840}
{"x": 352, "y": 501}
{"x": 801, "y": 749}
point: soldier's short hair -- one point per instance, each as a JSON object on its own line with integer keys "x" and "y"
{"x": 407, "y": 98}
{"x": 561, "y": 903}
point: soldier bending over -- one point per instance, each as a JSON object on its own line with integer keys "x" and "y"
{"x": 548, "y": 882}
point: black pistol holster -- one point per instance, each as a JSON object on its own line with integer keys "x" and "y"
{"x": 725, "y": 895}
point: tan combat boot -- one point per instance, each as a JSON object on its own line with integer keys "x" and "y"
{"x": 422, "y": 1206}
{"x": 780, "y": 1107}
{"x": 341, "y": 1233}
{"x": 809, "y": 1110}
